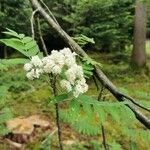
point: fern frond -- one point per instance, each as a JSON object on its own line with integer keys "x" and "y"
{"x": 3, "y": 93}
{"x": 86, "y": 114}
{"x": 82, "y": 40}
{"x": 142, "y": 94}
{"x": 3, "y": 130}
{"x": 5, "y": 114}
{"x": 115, "y": 146}
{"x": 138, "y": 133}
{"x": 91, "y": 61}
{"x": 87, "y": 69}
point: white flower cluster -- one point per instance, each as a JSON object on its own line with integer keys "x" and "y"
{"x": 74, "y": 77}
{"x": 34, "y": 68}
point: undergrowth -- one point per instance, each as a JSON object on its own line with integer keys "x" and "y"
{"x": 32, "y": 97}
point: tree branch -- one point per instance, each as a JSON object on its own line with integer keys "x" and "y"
{"x": 119, "y": 95}
{"x": 100, "y": 75}
{"x": 32, "y": 22}
{"x": 41, "y": 37}
{"x": 51, "y": 14}
{"x": 135, "y": 102}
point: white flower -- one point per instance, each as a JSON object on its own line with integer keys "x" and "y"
{"x": 70, "y": 61}
{"x": 74, "y": 54}
{"x": 69, "y": 57}
{"x": 34, "y": 73}
{"x": 39, "y": 71}
{"x": 47, "y": 68}
{"x": 28, "y": 67}
{"x": 79, "y": 72}
{"x": 82, "y": 83}
{"x": 48, "y": 64}
{"x": 56, "y": 69}
{"x": 36, "y": 61}
{"x": 29, "y": 75}
{"x": 46, "y": 59}
{"x": 54, "y": 63}
{"x": 85, "y": 88}
{"x": 66, "y": 85}
{"x": 57, "y": 57}
{"x": 71, "y": 75}
{"x": 80, "y": 87}
{"x": 66, "y": 51}
{"x": 76, "y": 93}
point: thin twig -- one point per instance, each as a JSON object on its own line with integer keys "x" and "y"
{"x": 104, "y": 137}
{"x": 41, "y": 37}
{"x": 95, "y": 81}
{"x": 32, "y": 22}
{"x": 101, "y": 92}
{"x": 102, "y": 127}
{"x": 135, "y": 102}
{"x": 51, "y": 134}
{"x": 51, "y": 14}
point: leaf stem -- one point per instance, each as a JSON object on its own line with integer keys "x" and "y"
{"x": 53, "y": 84}
{"x": 104, "y": 138}
{"x": 58, "y": 126}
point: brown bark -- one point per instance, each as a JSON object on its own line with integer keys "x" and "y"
{"x": 139, "y": 54}
{"x": 100, "y": 75}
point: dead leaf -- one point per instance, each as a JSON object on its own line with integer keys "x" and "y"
{"x": 69, "y": 142}
{"x": 26, "y": 125}
{"x": 20, "y": 126}
{"x": 38, "y": 121}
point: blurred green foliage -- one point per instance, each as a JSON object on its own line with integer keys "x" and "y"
{"x": 15, "y": 15}
{"x": 148, "y": 26}
{"x": 30, "y": 97}
{"x": 109, "y": 23}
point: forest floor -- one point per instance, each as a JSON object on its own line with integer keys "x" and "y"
{"x": 27, "y": 98}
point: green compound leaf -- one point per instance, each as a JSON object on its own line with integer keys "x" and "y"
{"x": 59, "y": 98}
{"x": 86, "y": 114}
{"x": 82, "y": 40}
{"x": 87, "y": 69}
{"x": 5, "y": 115}
{"x": 24, "y": 44}
{"x": 89, "y": 60}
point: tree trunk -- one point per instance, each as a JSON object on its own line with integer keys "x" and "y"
{"x": 139, "y": 54}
